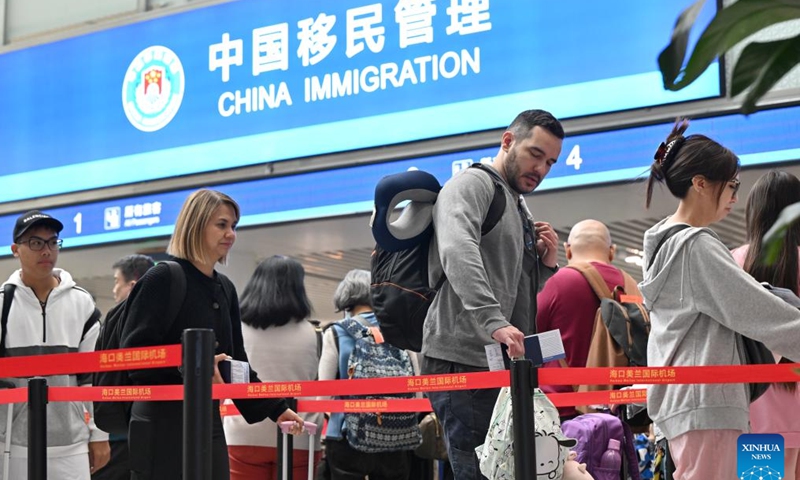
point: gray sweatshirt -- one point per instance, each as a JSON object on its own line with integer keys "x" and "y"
{"x": 487, "y": 286}
{"x": 698, "y": 299}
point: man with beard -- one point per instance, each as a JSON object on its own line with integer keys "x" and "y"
{"x": 492, "y": 280}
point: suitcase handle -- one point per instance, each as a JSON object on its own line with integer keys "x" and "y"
{"x": 309, "y": 427}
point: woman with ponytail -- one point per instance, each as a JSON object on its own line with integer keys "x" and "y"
{"x": 699, "y": 300}
{"x": 771, "y": 193}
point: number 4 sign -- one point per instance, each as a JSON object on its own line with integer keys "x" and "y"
{"x": 574, "y": 159}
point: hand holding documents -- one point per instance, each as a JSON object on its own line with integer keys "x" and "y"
{"x": 234, "y": 371}
{"x": 539, "y": 349}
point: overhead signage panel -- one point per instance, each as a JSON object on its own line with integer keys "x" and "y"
{"x": 250, "y": 82}
{"x": 623, "y": 155}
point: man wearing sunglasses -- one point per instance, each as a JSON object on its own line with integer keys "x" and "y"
{"x": 50, "y": 314}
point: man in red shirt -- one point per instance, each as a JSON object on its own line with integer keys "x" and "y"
{"x": 568, "y": 302}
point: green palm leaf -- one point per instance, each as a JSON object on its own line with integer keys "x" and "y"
{"x": 730, "y": 26}
{"x": 761, "y": 66}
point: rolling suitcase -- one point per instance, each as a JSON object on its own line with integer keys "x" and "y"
{"x": 283, "y": 450}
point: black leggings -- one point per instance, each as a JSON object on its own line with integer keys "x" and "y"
{"x": 155, "y": 440}
{"x": 347, "y": 463}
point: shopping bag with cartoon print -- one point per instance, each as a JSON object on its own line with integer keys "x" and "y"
{"x": 496, "y": 455}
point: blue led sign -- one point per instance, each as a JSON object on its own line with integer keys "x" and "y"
{"x": 763, "y": 138}
{"x": 251, "y": 81}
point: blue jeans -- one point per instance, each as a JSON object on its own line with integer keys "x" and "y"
{"x": 465, "y": 417}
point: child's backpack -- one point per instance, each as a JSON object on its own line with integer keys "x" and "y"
{"x": 377, "y": 432}
{"x": 401, "y": 294}
{"x": 114, "y": 417}
{"x": 496, "y": 455}
{"x": 593, "y": 431}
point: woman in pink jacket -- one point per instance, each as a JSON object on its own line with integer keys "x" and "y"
{"x": 770, "y": 194}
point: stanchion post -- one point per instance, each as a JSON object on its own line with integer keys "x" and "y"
{"x": 198, "y": 368}
{"x": 289, "y": 446}
{"x": 37, "y": 429}
{"x": 522, "y": 384}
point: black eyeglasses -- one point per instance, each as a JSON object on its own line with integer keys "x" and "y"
{"x": 37, "y": 244}
{"x": 735, "y": 186}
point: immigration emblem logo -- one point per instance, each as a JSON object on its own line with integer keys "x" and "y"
{"x": 153, "y": 88}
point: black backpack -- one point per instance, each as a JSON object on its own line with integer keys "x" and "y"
{"x": 401, "y": 294}
{"x": 8, "y": 297}
{"x": 113, "y": 417}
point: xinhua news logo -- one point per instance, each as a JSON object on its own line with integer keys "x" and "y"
{"x": 760, "y": 456}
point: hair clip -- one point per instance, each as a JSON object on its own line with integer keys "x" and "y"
{"x": 660, "y": 152}
{"x": 663, "y": 151}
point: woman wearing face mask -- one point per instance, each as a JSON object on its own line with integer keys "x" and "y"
{"x": 204, "y": 233}
{"x": 699, "y": 299}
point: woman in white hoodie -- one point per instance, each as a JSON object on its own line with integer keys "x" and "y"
{"x": 699, "y": 299}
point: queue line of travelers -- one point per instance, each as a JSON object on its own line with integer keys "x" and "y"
{"x": 699, "y": 298}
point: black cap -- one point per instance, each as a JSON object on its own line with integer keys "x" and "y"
{"x": 33, "y": 218}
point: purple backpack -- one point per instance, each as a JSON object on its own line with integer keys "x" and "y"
{"x": 593, "y": 430}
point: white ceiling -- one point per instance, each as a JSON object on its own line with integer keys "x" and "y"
{"x": 329, "y": 248}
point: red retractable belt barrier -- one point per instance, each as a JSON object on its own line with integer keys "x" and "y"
{"x": 170, "y": 356}
{"x": 349, "y": 406}
{"x": 88, "y": 362}
{"x": 782, "y": 372}
{"x": 601, "y": 397}
{"x": 318, "y": 388}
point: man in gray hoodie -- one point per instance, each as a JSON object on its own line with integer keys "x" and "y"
{"x": 490, "y": 292}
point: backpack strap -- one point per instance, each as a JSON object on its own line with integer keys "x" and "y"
{"x": 335, "y": 339}
{"x": 363, "y": 321}
{"x": 334, "y": 328}
{"x": 630, "y": 286}
{"x": 354, "y": 328}
{"x": 498, "y": 205}
{"x": 594, "y": 278}
{"x": 93, "y": 318}
{"x": 496, "y": 209}
{"x": 317, "y": 333}
{"x": 177, "y": 289}
{"x": 8, "y": 297}
{"x": 670, "y": 232}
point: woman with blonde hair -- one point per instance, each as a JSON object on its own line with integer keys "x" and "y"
{"x": 204, "y": 233}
